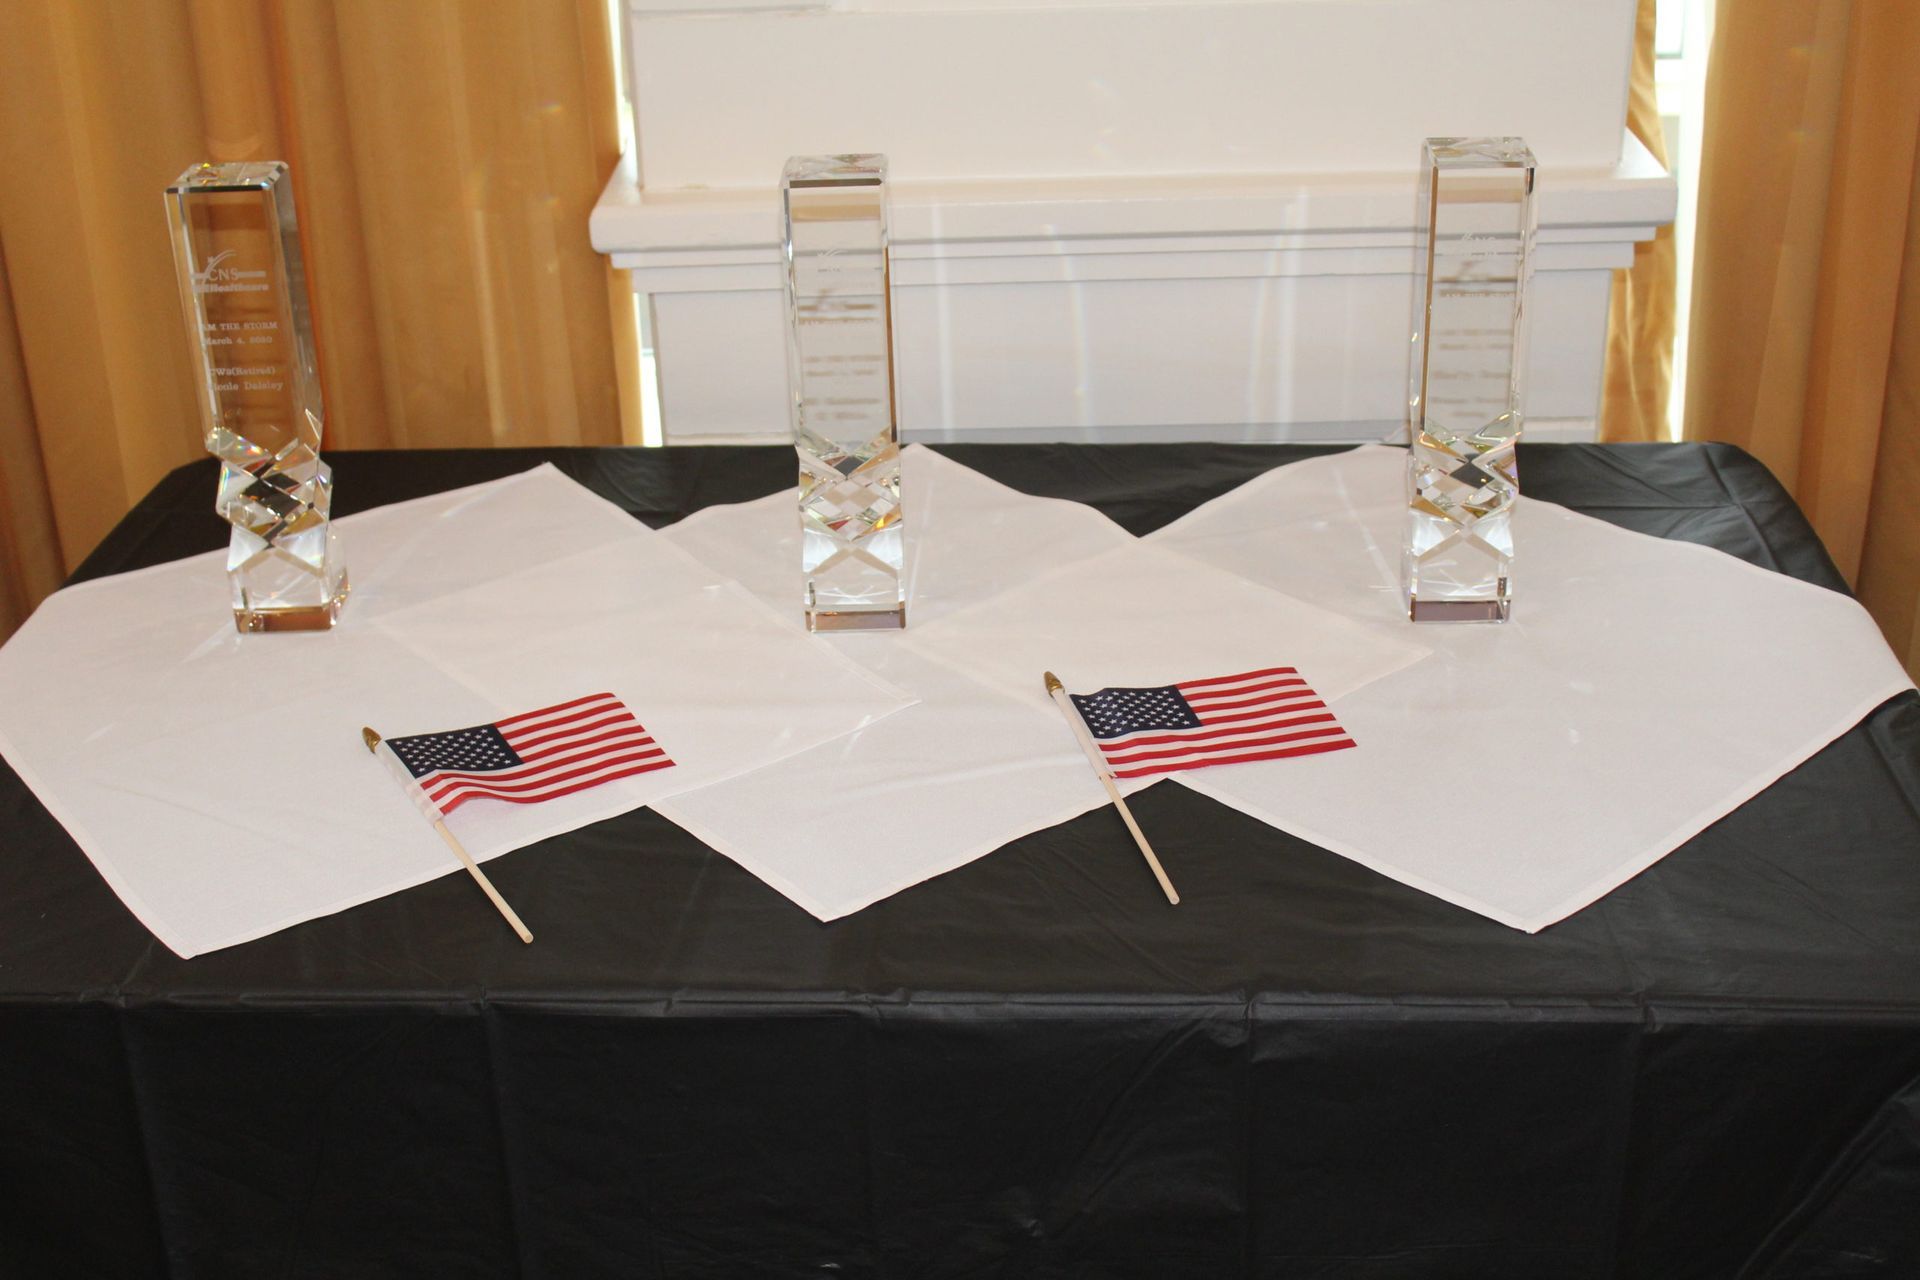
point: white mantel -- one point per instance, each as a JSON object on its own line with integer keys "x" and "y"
{"x": 1147, "y": 262}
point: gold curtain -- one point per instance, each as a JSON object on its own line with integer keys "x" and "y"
{"x": 1640, "y": 322}
{"x": 445, "y": 157}
{"x": 1805, "y": 344}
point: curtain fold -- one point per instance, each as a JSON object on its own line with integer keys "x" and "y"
{"x": 1641, "y": 318}
{"x": 29, "y": 543}
{"x": 445, "y": 158}
{"x": 1806, "y": 271}
{"x": 1889, "y": 579}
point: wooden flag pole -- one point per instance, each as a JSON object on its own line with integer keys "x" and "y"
{"x": 372, "y": 740}
{"x": 1058, "y": 692}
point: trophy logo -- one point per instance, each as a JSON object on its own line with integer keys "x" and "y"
{"x": 217, "y": 277}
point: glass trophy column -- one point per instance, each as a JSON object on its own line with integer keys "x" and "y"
{"x": 1473, "y": 263}
{"x": 236, "y": 252}
{"x": 840, "y": 384}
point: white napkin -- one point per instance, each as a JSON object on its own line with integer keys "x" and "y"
{"x": 1643, "y": 689}
{"x": 219, "y": 781}
{"x": 1144, "y": 615}
{"x": 1004, "y": 587}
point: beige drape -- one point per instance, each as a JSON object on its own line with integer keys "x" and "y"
{"x": 1805, "y": 344}
{"x": 1640, "y": 322}
{"x": 445, "y": 157}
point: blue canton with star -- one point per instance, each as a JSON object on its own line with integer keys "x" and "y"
{"x": 480, "y": 748}
{"x": 1112, "y": 713}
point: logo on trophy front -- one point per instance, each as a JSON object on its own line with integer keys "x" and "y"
{"x": 218, "y": 277}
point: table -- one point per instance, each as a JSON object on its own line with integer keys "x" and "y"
{"x": 1028, "y": 1067}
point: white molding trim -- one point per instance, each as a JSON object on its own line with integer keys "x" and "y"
{"x": 1137, "y": 309}
{"x": 1069, "y": 218}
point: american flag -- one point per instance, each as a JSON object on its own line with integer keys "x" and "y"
{"x": 1257, "y": 715}
{"x": 524, "y": 759}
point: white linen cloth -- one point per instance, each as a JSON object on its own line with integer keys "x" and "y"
{"x": 219, "y": 782}
{"x": 1643, "y": 689}
{"x": 1004, "y": 587}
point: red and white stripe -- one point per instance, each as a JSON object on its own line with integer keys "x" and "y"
{"x": 1258, "y": 715}
{"x": 563, "y": 749}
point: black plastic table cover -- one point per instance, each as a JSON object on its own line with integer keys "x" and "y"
{"x": 1032, "y": 1066}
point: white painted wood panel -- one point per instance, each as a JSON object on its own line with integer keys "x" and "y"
{"x": 1316, "y": 357}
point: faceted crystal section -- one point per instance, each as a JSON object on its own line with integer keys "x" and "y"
{"x": 243, "y": 287}
{"x": 840, "y": 378}
{"x": 851, "y": 535}
{"x": 1465, "y": 414}
{"x": 1460, "y": 496}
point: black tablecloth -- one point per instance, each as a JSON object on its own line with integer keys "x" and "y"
{"x": 1029, "y": 1067}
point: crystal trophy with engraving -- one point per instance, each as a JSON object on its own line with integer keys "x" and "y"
{"x": 1473, "y": 263}
{"x": 236, "y": 253}
{"x": 840, "y": 385}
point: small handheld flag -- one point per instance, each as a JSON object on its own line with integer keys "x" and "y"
{"x": 525, "y": 759}
{"x": 522, "y": 759}
{"x": 1269, "y": 714}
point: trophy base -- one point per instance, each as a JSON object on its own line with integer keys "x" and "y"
{"x": 1459, "y": 610}
{"x": 308, "y": 617}
{"x": 858, "y": 619}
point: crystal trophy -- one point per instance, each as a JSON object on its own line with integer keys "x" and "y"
{"x": 840, "y": 382}
{"x": 236, "y": 253}
{"x": 1476, "y": 224}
